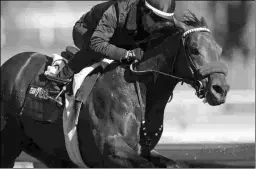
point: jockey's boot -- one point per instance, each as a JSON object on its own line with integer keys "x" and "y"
{"x": 66, "y": 73}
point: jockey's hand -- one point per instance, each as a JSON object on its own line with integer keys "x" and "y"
{"x": 132, "y": 55}
{"x": 129, "y": 57}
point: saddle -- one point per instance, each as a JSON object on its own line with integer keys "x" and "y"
{"x": 45, "y": 97}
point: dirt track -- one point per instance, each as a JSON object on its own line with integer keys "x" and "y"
{"x": 199, "y": 155}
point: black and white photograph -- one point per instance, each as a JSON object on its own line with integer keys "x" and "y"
{"x": 128, "y": 84}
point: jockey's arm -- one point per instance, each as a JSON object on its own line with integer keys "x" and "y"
{"x": 99, "y": 41}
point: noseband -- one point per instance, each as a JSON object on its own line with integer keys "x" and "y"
{"x": 197, "y": 84}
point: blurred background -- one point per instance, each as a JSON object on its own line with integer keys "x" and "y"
{"x": 46, "y": 27}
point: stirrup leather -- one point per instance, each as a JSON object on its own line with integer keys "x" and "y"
{"x": 58, "y": 80}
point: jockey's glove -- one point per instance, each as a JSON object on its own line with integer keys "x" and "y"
{"x": 131, "y": 56}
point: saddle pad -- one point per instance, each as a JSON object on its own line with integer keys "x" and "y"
{"x": 70, "y": 116}
{"x": 36, "y": 104}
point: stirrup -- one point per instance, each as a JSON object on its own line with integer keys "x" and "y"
{"x": 56, "y": 99}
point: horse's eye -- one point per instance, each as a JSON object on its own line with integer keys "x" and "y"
{"x": 194, "y": 51}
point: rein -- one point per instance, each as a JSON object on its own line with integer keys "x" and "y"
{"x": 142, "y": 72}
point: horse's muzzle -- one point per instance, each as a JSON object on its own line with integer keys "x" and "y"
{"x": 217, "y": 89}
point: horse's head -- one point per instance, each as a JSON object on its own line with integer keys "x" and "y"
{"x": 204, "y": 70}
{"x": 189, "y": 54}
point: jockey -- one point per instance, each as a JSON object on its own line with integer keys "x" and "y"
{"x": 111, "y": 41}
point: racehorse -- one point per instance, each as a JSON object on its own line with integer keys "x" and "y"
{"x": 122, "y": 120}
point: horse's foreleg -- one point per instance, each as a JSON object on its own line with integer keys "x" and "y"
{"x": 118, "y": 153}
{"x": 51, "y": 161}
{"x": 10, "y": 143}
{"x": 164, "y": 162}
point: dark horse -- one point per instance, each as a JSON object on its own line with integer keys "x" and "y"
{"x": 122, "y": 119}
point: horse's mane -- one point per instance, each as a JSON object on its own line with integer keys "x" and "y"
{"x": 190, "y": 19}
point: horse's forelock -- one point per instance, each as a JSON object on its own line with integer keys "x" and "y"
{"x": 190, "y": 19}
{"x": 160, "y": 45}
{"x": 165, "y": 27}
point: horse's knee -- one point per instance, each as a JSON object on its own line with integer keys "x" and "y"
{"x": 120, "y": 154}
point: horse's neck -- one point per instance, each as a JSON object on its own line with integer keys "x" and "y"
{"x": 155, "y": 92}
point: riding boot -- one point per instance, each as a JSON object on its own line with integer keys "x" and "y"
{"x": 75, "y": 65}
{"x": 66, "y": 73}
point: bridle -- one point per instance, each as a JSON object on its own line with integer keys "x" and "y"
{"x": 197, "y": 84}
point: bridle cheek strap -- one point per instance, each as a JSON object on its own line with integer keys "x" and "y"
{"x": 215, "y": 67}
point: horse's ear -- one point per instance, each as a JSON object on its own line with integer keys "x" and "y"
{"x": 203, "y": 22}
{"x": 179, "y": 24}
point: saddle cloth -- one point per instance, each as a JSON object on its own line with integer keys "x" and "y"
{"x": 70, "y": 116}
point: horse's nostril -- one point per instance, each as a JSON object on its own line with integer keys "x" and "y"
{"x": 218, "y": 89}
